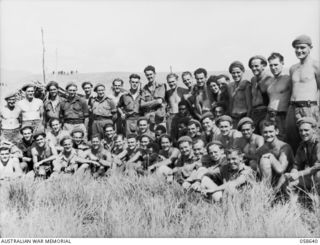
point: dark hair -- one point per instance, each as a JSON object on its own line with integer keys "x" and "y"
{"x": 53, "y": 119}
{"x": 172, "y": 75}
{"x": 118, "y": 136}
{"x": 107, "y": 126}
{"x": 221, "y": 76}
{"x": 162, "y": 128}
{"x": 201, "y": 70}
{"x": 96, "y": 136}
{"x": 191, "y": 122}
{"x": 213, "y": 143}
{"x": 275, "y": 55}
{"x": 186, "y": 73}
{"x": 165, "y": 136}
{"x": 212, "y": 79}
{"x": 134, "y": 75}
{"x": 155, "y": 147}
{"x": 220, "y": 104}
{"x": 130, "y": 136}
{"x": 117, "y": 80}
{"x": 233, "y": 149}
{"x": 237, "y": 64}
{"x": 269, "y": 123}
{"x": 149, "y": 68}
{"x": 196, "y": 141}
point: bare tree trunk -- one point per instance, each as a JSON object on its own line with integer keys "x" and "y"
{"x": 43, "y": 64}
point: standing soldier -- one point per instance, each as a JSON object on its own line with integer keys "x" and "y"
{"x": 87, "y": 88}
{"x": 187, "y": 80}
{"x": 153, "y": 94}
{"x": 74, "y": 110}
{"x": 103, "y": 110}
{"x": 10, "y": 117}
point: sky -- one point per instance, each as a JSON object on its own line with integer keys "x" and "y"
{"x": 103, "y": 35}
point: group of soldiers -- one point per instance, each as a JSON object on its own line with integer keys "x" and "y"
{"x": 211, "y": 135}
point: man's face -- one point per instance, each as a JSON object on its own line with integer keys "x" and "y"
{"x": 109, "y": 132}
{"x": 247, "y": 130}
{"x": 117, "y": 85}
{"x": 236, "y": 74}
{"x": 4, "y": 155}
{"x": 67, "y": 145}
{"x": 87, "y": 89}
{"x": 40, "y": 141}
{"x": 132, "y": 143}
{"x": 150, "y": 75}
{"x": 185, "y": 148}
{"x": 158, "y": 133}
{"x": 201, "y": 79}
{"x": 55, "y": 125}
{"x": 256, "y": 67}
{"x": 269, "y": 133}
{"x": 144, "y": 142}
{"x": 306, "y": 131}
{"x": 119, "y": 142}
{"x": 11, "y": 102}
{"x": 187, "y": 80}
{"x": 234, "y": 160}
{"x": 214, "y": 87}
{"x": 143, "y": 126}
{"x": 275, "y": 66}
{"x": 218, "y": 111}
{"x": 134, "y": 83}
{"x": 27, "y": 134}
{"x": 302, "y": 50}
{"x": 182, "y": 110}
{"x": 95, "y": 143}
{"x": 193, "y": 130}
{"x": 77, "y": 138}
{"x": 198, "y": 149}
{"x": 165, "y": 144}
{"x": 222, "y": 82}
{"x": 172, "y": 82}
{"x": 53, "y": 91}
{"x": 100, "y": 91}
{"x": 182, "y": 127}
{"x": 215, "y": 153}
{"x": 30, "y": 93}
{"x": 207, "y": 124}
{"x": 72, "y": 90}
{"x": 225, "y": 127}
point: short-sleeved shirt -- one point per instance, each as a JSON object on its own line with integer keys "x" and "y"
{"x": 77, "y": 108}
{"x": 104, "y": 107}
{"x": 130, "y": 105}
{"x": 308, "y": 153}
{"x": 52, "y": 108}
{"x": 31, "y": 110}
{"x": 10, "y": 118}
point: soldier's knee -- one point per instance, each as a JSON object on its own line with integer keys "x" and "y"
{"x": 264, "y": 163}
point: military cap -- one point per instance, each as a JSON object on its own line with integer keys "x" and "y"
{"x": 215, "y": 142}
{"x": 71, "y": 84}
{"x": 236, "y": 64}
{"x": 52, "y": 83}
{"x": 25, "y": 127}
{"x": 77, "y": 130}
{"x": 26, "y": 86}
{"x": 98, "y": 85}
{"x": 302, "y": 39}
{"x": 37, "y": 134}
{"x": 85, "y": 83}
{"x": 260, "y": 57}
{"x": 309, "y": 120}
{"x": 224, "y": 118}
{"x": 67, "y": 137}
{"x": 206, "y": 115}
{"x": 185, "y": 139}
{"x": 10, "y": 95}
{"x": 196, "y": 122}
{"x": 244, "y": 121}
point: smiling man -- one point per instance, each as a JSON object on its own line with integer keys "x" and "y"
{"x": 305, "y": 79}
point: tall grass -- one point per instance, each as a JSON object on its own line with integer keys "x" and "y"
{"x": 121, "y": 206}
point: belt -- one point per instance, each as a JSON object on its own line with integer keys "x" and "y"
{"x": 74, "y": 120}
{"x": 303, "y": 103}
{"x": 239, "y": 115}
{"x": 98, "y": 117}
{"x": 273, "y": 113}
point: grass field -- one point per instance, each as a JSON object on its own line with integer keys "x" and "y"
{"x": 121, "y": 206}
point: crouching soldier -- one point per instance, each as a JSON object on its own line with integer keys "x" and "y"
{"x": 9, "y": 166}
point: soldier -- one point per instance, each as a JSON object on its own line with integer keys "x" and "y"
{"x": 56, "y": 133}
{"x": 9, "y": 167}
{"x": 187, "y": 80}
{"x": 144, "y": 128}
{"x": 210, "y": 130}
{"x": 25, "y": 145}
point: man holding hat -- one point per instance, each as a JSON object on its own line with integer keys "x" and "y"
{"x": 259, "y": 85}
{"x": 305, "y": 79}
{"x": 103, "y": 110}
{"x": 31, "y": 108}
{"x": 10, "y": 120}
{"x": 74, "y": 110}
{"x": 306, "y": 168}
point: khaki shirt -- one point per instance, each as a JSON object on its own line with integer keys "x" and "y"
{"x": 308, "y": 153}
{"x": 76, "y": 108}
{"x": 104, "y": 107}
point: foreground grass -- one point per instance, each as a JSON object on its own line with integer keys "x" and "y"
{"x": 120, "y": 206}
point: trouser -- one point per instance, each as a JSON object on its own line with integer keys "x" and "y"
{"x": 69, "y": 127}
{"x": 155, "y": 119}
{"x": 11, "y": 135}
{"x": 295, "y": 113}
{"x": 169, "y": 122}
{"x": 35, "y": 124}
{"x": 257, "y": 116}
{"x": 280, "y": 119}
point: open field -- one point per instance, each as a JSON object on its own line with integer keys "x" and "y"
{"x": 122, "y": 206}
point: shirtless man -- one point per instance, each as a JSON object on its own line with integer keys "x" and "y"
{"x": 9, "y": 167}
{"x": 259, "y": 85}
{"x": 249, "y": 143}
{"x": 279, "y": 93}
{"x": 305, "y": 78}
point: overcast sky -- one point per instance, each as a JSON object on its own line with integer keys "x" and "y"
{"x": 93, "y": 36}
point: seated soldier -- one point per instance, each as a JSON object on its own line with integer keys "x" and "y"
{"x": 119, "y": 145}
{"x": 194, "y": 129}
{"x": 210, "y": 130}
{"x": 78, "y": 140}
{"x": 69, "y": 160}
{"x": 109, "y": 134}
{"x": 275, "y": 156}
{"x": 160, "y": 130}
{"x": 249, "y": 143}
{"x": 43, "y": 155}
{"x": 227, "y": 136}
{"x": 305, "y": 173}
{"x": 129, "y": 152}
{"x": 144, "y": 128}
{"x": 227, "y": 177}
{"x": 9, "y": 166}
{"x": 219, "y": 109}
{"x": 56, "y": 133}
{"x": 198, "y": 148}
{"x": 25, "y": 145}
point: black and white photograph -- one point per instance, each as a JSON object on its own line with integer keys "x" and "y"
{"x": 159, "y": 119}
